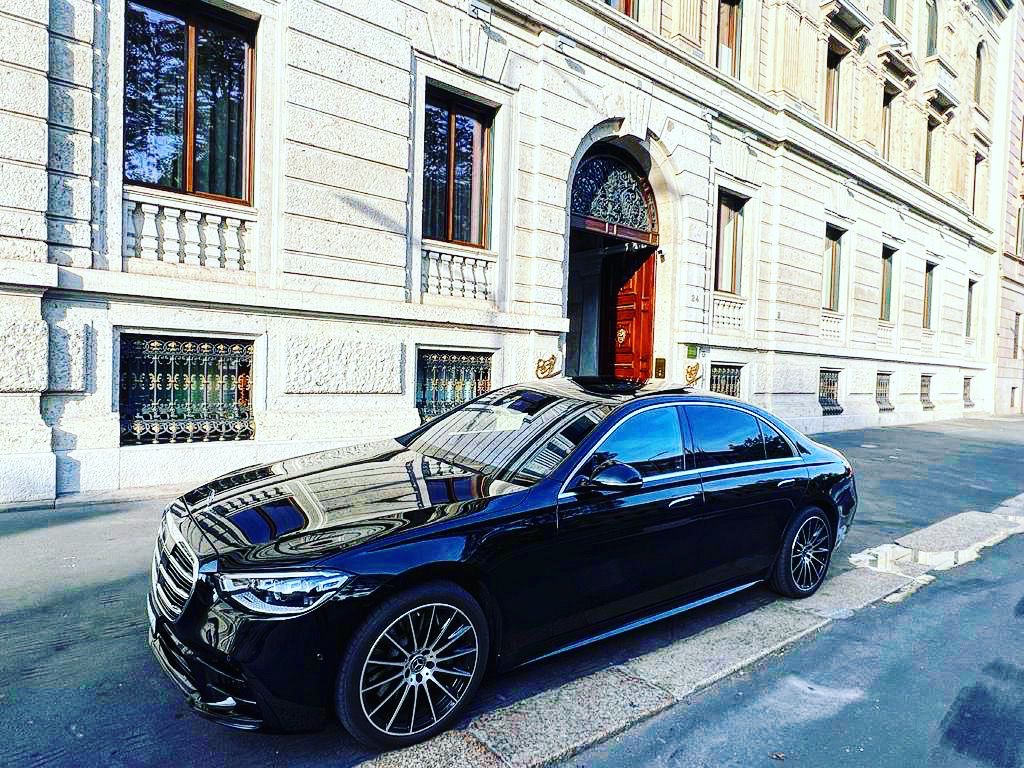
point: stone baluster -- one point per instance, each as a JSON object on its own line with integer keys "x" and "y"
{"x": 446, "y": 281}
{"x": 462, "y": 276}
{"x": 232, "y": 252}
{"x": 212, "y": 248}
{"x": 170, "y": 235}
{"x": 149, "y": 237}
{"x": 243, "y": 244}
{"x": 192, "y": 242}
{"x": 130, "y": 240}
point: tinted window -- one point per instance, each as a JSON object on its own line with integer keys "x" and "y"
{"x": 725, "y": 435}
{"x": 775, "y": 444}
{"x": 651, "y": 441}
{"x": 554, "y": 451}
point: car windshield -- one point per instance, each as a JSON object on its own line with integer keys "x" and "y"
{"x": 519, "y": 434}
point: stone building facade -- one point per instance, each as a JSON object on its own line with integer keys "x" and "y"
{"x": 237, "y": 230}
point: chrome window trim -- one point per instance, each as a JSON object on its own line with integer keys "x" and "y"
{"x": 563, "y": 494}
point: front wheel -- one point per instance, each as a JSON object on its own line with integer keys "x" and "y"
{"x": 412, "y": 666}
{"x": 805, "y": 556}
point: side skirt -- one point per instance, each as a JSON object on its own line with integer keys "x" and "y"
{"x": 643, "y": 622}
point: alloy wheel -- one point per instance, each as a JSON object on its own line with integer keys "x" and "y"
{"x": 418, "y": 669}
{"x": 809, "y": 554}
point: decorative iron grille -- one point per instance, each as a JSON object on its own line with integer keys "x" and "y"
{"x": 445, "y": 380}
{"x": 184, "y": 390}
{"x": 968, "y": 403}
{"x": 883, "y": 382}
{"x": 828, "y": 393}
{"x": 926, "y": 392}
{"x": 606, "y": 189}
{"x": 725, "y": 379}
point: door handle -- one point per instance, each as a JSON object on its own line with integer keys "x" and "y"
{"x": 682, "y": 500}
{"x": 786, "y": 483}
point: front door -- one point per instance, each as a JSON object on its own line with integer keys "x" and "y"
{"x": 629, "y": 328}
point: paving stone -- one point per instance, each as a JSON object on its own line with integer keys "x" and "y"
{"x": 838, "y": 598}
{"x": 959, "y": 532}
{"x": 450, "y": 748}
{"x": 699, "y": 661}
{"x": 559, "y": 722}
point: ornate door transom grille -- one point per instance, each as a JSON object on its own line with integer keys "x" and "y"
{"x": 183, "y": 390}
{"x": 610, "y": 197}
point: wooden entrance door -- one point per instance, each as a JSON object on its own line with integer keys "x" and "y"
{"x": 628, "y": 332}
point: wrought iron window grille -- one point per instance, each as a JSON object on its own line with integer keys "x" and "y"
{"x": 828, "y": 393}
{"x": 926, "y": 392}
{"x": 185, "y": 390}
{"x": 447, "y": 379}
{"x": 883, "y": 382}
{"x": 725, "y": 379}
{"x": 968, "y": 402}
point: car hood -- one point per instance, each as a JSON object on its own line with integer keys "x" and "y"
{"x": 309, "y": 507}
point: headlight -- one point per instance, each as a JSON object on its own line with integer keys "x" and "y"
{"x": 280, "y": 594}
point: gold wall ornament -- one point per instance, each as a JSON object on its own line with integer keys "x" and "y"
{"x": 692, "y": 374}
{"x": 620, "y": 336}
{"x": 546, "y": 367}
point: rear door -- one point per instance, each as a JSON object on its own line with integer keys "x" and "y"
{"x": 753, "y": 480}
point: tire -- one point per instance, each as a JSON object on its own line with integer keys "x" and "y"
{"x": 806, "y": 553}
{"x": 426, "y": 649}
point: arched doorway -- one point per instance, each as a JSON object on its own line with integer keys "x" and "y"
{"x": 612, "y": 241}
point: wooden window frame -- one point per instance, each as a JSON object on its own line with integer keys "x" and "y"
{"x": 833, "y": 84}
{"x": 931, "y": 40}
{"x": 460, "y": 105}
{"x": 629, "y": 8}
{"x": 969, "y": 324}
{"x": 885, "y": 303}
{"x": 888, "y": 97}
{"x": 733, "y": 34}
{"x": 890, "y": 10}
{"x": 736, "y": 257}
{"x": 196, "y": 15}
{"x": 834, "y": 251}
{"x": 929, "y": 295}
{"x": 929, "y": 148}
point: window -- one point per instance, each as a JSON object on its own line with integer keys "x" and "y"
{"x": 725, "y": 435}
{"x": 975, "y": 178}
{"x": 729, "y": 248}
{"x": 775, "y": 445}
{"x": 979, "y": 72}
{"x": 446, "y": 379}
{"x": 650, "y": 441}
{"x": 832, "y": 82}
{"x": 1016, "y": 335}
{"x": 1019, "y": 250}
{"x": 969, "y": 329}
{"x": 889, "y": 9}
{"x": 456, "y": 169}
{"x": 883, "y": 385}
{"x": 885, "y": 310}
{"x": 185, "y": 390}
{"x": 926, "y": 392}
{"x": 968, "y": 403}
{"x": 929, "y": 148}
{"x": 929, "y": 291}
{"x": 730, "y": 21}
{"x": 931, "y": 10}
{"x": 558, "y": 447}
{"x": 725, "y": 379}
{"x": 629, "y": 7}
{"x": 888, "y": 96}
{"x": 1013, "y": 397}
{"x": 832, "y": 268}
{"x": 828, "y": 392}
{"x": 188, "y": 101}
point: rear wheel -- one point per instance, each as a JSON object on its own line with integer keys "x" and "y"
{"x": 412, "y": 666}
{"x": 806, "y": 554}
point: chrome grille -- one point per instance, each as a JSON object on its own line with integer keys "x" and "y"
{"x": 175, "y": 570}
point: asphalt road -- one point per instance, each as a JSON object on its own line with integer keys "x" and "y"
{"x": 937, "y": 680}
{"x": 78, "y": 685}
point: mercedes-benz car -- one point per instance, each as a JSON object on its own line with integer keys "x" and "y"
{"x": 379, "y": 583}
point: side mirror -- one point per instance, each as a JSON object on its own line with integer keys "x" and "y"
{"x": 613, "y": 476}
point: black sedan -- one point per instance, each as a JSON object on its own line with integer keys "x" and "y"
{"x": 381, "y": 582}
